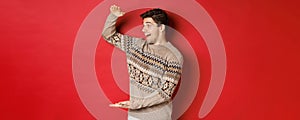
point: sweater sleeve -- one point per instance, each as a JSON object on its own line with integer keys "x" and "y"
{"x": 113, "y": 37}
{"x": 167, "y": 85}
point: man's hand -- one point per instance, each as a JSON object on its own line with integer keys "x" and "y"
{"x": 116, "y": 11}
{"x": 123, "y": 104}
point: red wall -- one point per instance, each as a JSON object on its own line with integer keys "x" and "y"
{"x": 261, "y": 39}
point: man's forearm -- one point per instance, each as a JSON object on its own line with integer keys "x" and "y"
{"x": 110, "y": 26}
{"x": 138, "y": 103}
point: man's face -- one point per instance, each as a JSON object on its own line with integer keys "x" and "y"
{"x": 151, "y": 30}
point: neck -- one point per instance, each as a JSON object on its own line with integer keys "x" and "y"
{"x": 161, "y": 40}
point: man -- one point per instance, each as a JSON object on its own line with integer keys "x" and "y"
{"x": 154, "y": 65}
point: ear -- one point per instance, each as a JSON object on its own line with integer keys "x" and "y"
{"x": 162, "y": 27}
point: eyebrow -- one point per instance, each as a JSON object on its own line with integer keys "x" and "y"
{"x": 149, "y": 23}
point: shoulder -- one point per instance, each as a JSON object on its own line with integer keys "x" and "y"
{"x": 134, "y": 41}
{"x": 174, "y": 55}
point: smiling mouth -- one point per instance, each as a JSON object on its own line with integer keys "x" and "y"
{"x": 147, "y": 35}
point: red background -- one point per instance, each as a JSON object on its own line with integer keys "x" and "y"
{"x": 261, "y": 41}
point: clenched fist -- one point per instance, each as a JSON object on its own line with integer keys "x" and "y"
{"x": 116, "y": 10}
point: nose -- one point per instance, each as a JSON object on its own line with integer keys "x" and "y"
{"x": 144, "y": 29}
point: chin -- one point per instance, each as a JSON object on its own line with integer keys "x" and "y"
{"x": 149, "y": 41}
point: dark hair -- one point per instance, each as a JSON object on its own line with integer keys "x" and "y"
{"x": 158, "y": 15}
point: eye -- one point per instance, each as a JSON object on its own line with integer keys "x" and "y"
{"x": 147, "y": 26}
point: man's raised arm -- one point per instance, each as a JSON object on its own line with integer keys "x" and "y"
{"x": 109, "y": 32}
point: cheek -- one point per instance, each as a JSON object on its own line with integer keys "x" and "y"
{"x": 154, "y": 31}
